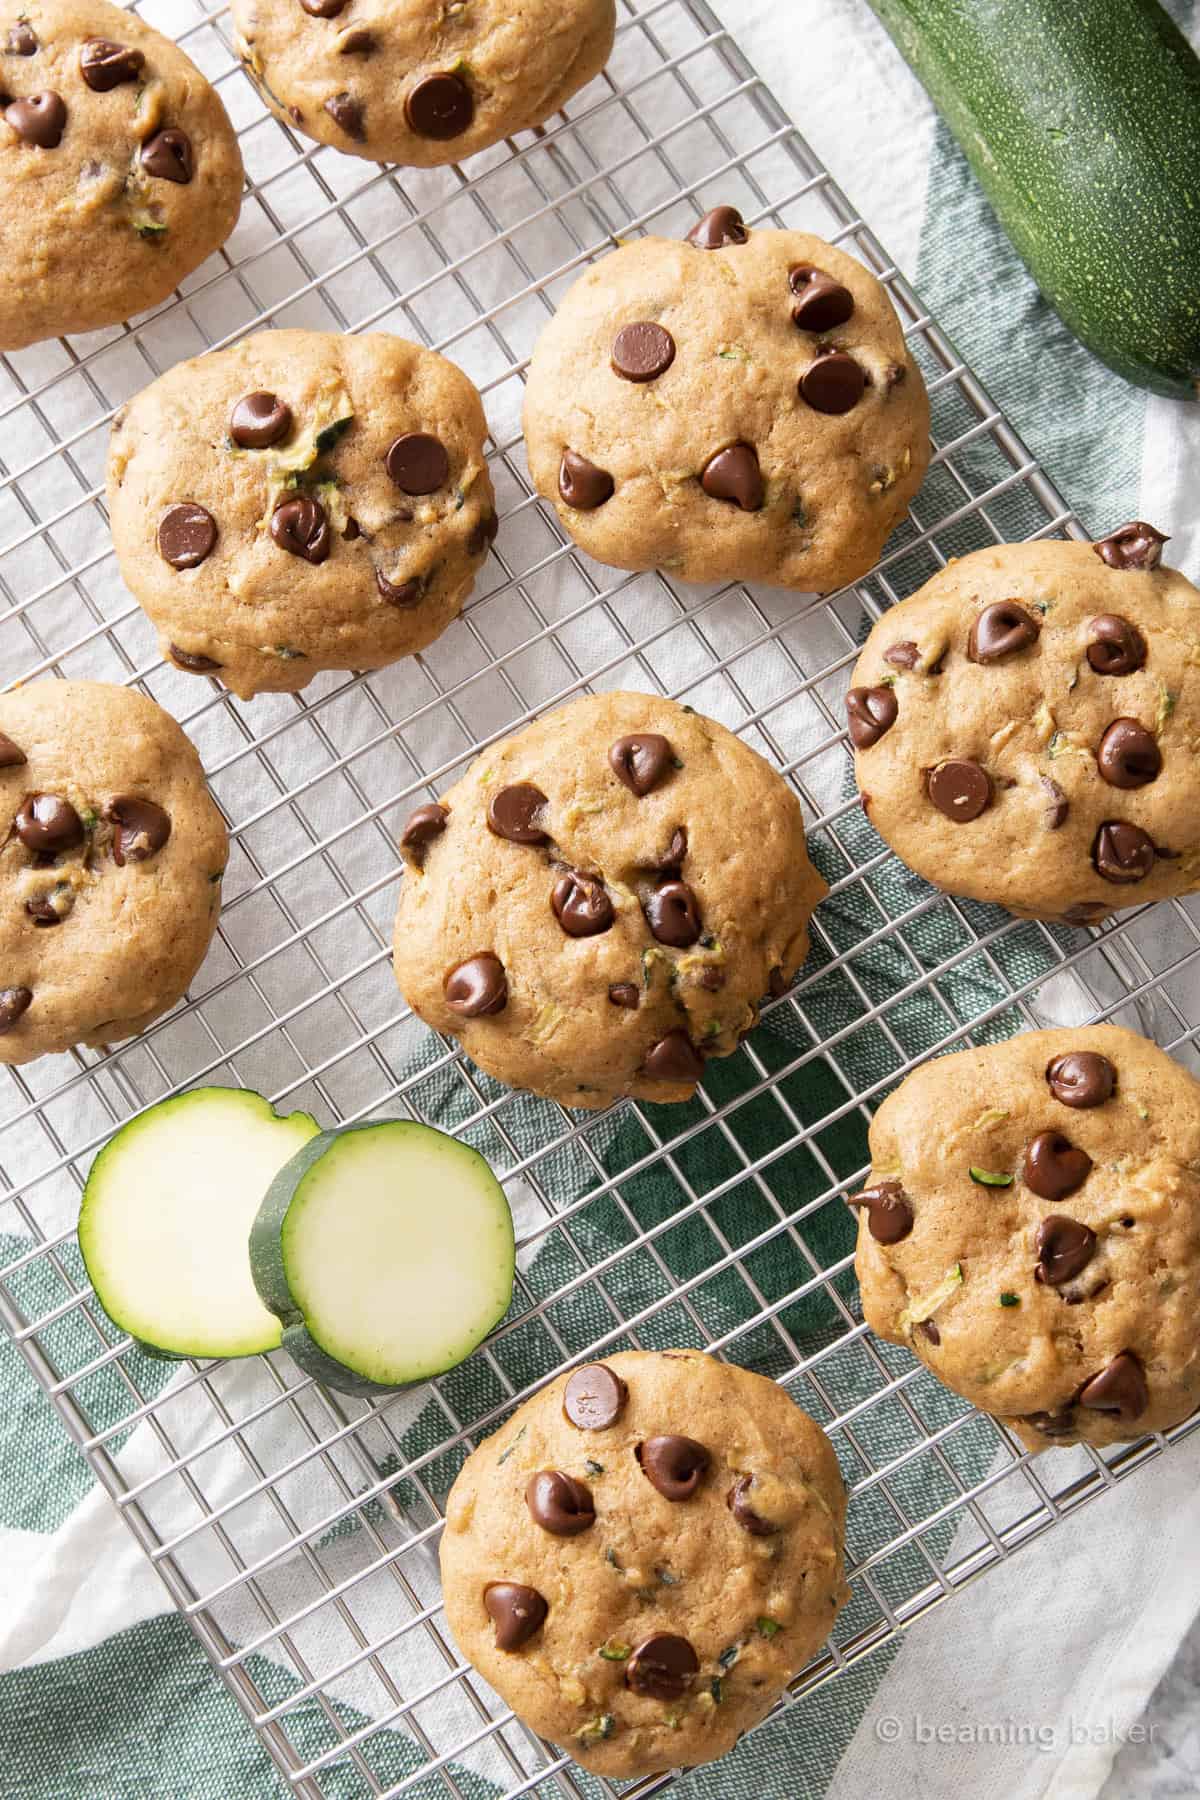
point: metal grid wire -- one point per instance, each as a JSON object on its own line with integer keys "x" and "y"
{"x": 298, "y": 1532}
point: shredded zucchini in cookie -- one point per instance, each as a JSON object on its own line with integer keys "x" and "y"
{"x": 288, "y": 465}
{"x": 925, "y": 1307}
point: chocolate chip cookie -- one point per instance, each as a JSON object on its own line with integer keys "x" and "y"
{"x": 1031, "y": 1230}
{"x": 602, "y": 900}
{"x": 420, "y": 81}
{"x": 301, "y": 501}
{"x": 742, "y": 406}
{"x": 111, "y": 857}
{"x": 1025, "y": 727}
{"x": 644, "y": 1555}
{"x": 119, "y": 171}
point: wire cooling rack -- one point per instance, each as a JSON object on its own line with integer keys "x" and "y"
{"x": 297, "y": 1532}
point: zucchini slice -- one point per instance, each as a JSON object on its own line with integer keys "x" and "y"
{"x": 166, "y": 1213}
{"x": 387, "y": 1252}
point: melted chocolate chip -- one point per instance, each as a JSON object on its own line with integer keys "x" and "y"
{"x": 643, "y": 351}
{"x": 357, "y": 43}
{"x": 190, "y": 659}
{"x": 347, "y": 114}
{"x": 1054, "y": 1166}
{"x": 105, "y": 65}
{"x": 1064, "y": 1247}
{"x": 722, "y": 225}
{"x": 440, "y": 107}
{"x": 14, "y": 1003}
{"x": 833, "y": 384}
{"x": 624, "y": 993}
{"x": 186, "y": 535}
{"x": 40, "y": 119}
{"x": 417, "y": 462}
{"x": 1129, "y": 756}
{"x": 142, "y": 828}
{"x": 259, "y": 419}
{"x": 483, "y": 533}
{"x": 1122, "y": 853}
{"x": 870, "y": 712}
{"x": 425, "y": 824}
{"x": 673, "y": 1465}
{"x": 822, "y": 304}
{"x": 1058, "y": 1424}
{"x": 960, "y": 790}
{"x": 559, "y": 1504}
{"x": 46, "y": 823}
{"x": 400, "y": 593}
{"x": 738, "y": 1502}
{"x": 1133, "y": 546}
{"x": 663, "y": 1667}
{"x": 323, "y": 9}
{"x": 21, "y": 41}
{"x": 594, "y": 1397}
{"x": 673, "y": 1058}
{"x": 518, "y": 1612}
{"x": 1081, "y": 1078}
{"x": 477, "y": 987}
{"x": 734, "y": 475}
{"x": 168, "y": 156}
{"x": 1001, "y": 630}
{"x": 904, "y": 655}
{"x": 1119, "y": 1389}
{"x": 641, "y": 761}
{"x": 1057, "y": 804}
{"x": 581, "y": 484}
{"x": 1115, "y": 646}
{"x": 671, "y": 862}
{"x": 889, "y": 1211}
{"x": 11, "y": 755}
{"x": 301, "y": 527}
{"x": 512, "y": 810}
{"x": 673, "y": 914}
{"x": 929, "y": 1330}
{"x": 581, "y": 904}
{"x": 44, "y": 911}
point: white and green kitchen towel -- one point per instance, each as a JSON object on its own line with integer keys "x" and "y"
{"x": 1021, "y": 1687}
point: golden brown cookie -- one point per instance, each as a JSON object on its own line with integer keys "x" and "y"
{"x": 1031, "y": 1230}
{"x": 644, "y": 1555}
{"x": 603, "y": 899}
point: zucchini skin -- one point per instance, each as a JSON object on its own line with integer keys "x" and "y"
{"x": 1081, "y": 123}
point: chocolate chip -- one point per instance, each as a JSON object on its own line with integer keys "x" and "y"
{"x": 641, "y": 761}
{"x": 189, "y": 659}
{"x": 1054, "y": 1166}
{"x": 1058, "y": 1424}
{"x": 833, "y": 384}
{"x": 21, "y": 41}
{"x": 734, "y": 475}
{"x": 1119, "y": 1389}
{"x": 559, "y": 1504}
{"x": 1001, "y": 630}
{"x": 1081, "y": 1078}
{"x": 673, "y": 1058}
{"x": 904, "y": 655}
{"x": 14, "y": 1002}
{"x": 581, "y": 484}
{"x": 402, "y": 593}
{"x": 1064, "y": 1247}
{"x": 1122, "y": 853}
{"x": 624, "y": 993}
{"x": 673, "y": 1465}
{"x": 517, "y": 1612}
{"x": 186, "y": 535}
{"x": 357, "y": 43}
{"x": 712, "y": 979}
{"x": 738, "y": 1502}
{"x": 105, "y": 65}
{"x": 168, "y": 155}
{"x": 960, "y": 790}
{"x": 47, "y": 823}
{"x": 512, "y": 810}
{"x": 1133, "y": 546}
{"x": 347, "y": 114}
{"x": 663, "y": 1667}
{"x": 889, "y": 1211}
{"x": 870, "y": 712}
{"x": 259, "y": 419}
{"x": 594, "y": 1397}
{"x": 417, "y": 462}
{"x": 45, "y": 910}
{"x": 929, "y": 1330}
{"x": 1057, "y": 806}
{"x": 822, "y": 303}
{"x": 1116, "y": 646}
{"x": 352, "y": 531}
{"x": 425, "y": 824}
{"x": 440, "y": 107}
{"x": 300, "y": 526}
{"x": 1129, "y": 756}
{"x": 323, "y": 9}
{"x": 642, "y": 351}
{"x": 673, "y": 914}
{"x": 671, "y": 862}
{"x": 11, "y": 755}
{"x": 142, "y": 828}
{"x": 723, "y": 225}
{"x": 39, "y": 119}
{"x": 581, "y": 904}
{"x": 477, "y": 987}
{"x": 483, "y": 533}
{"x": 777, "y": 984}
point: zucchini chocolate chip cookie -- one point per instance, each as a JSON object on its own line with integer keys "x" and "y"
{"x": 420, "y": 81}
{"x": 740, "y": 406}
{"x": 111, "y": 857}
{"x": 301, "y": 501}
{"x": 644, "y": 1555}
{"x": 603, "y": 899}
{"x": 1031, "y": 1230}
{"x": 1025, "y": 727}
{"x": 119, "y": 170}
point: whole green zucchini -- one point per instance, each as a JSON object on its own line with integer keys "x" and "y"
{"x": 1081, "y": 120}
